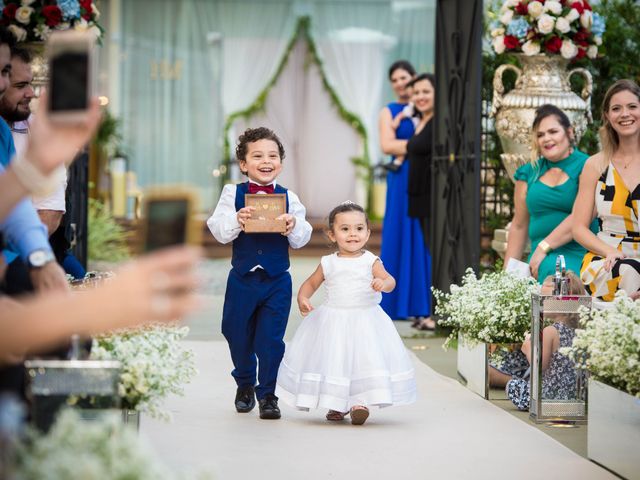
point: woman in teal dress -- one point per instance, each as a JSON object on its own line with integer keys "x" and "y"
{"x": 544, "y": 195}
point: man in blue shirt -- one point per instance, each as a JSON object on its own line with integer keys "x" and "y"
{"x": 22, "y": 229}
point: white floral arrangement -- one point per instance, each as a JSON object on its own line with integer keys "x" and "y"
{"x": 566, "y": 27}
{"x": 155, "y": 364}
{"x": 495, "y": 308}
{"x": 608, "y": 345}
{"x": 89, "y": 450}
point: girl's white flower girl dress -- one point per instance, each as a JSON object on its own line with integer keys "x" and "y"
{"x": 347, "y": 351}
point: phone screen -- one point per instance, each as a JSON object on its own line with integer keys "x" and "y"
{"x": 69, "y": 81}
{"x": 166, "y": 223}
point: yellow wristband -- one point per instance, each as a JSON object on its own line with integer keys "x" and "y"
{"x": 545, "y": 247}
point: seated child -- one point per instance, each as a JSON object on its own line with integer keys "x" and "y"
{"x": 558, "y": 370}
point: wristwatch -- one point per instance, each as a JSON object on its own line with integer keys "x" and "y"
{"x": 39, "y": 258}
{"x": 545, "y": 247}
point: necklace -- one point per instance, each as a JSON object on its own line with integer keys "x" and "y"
{"x": 625, "y": 164}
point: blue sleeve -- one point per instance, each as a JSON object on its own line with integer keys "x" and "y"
{"x": 523, "y": 173}
{"x": 22, "y": 228}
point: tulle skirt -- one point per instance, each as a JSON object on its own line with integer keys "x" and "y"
{"x": 341, "y": 357}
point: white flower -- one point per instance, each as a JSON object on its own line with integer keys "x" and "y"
{"x": 535, "y": 9}
{"x": 545, "y": 24}
{"x": 496, "y": 32}
{"x": 23, "y": 15}
{"x": 531, "y": 48}
{"x": 62, "y": 26}
{"x": 95, "y": 31}
{"x": 592, "y": 51}
{"x": 498, "y": 44}
{"x": 597, "y": 40}
{"x": 553, "y": 7}
{"x": 154, "y": 365}
{"x": 506, "y": 17}
{"x": 586, "y": 19}
{"x": 42, "y": 32}
{"x": 572, "y": 15}
{"x": 18, "y": 32}
{"x": 562, "y": 25}
{"x": 568, "y": 49}
{"x": 610, "y": 343}
{"x": 495, "y": 308}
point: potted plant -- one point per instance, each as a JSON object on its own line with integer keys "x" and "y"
{"x": 487, "y": 316}
{"x": 154, "y": 362}
{"x": 608, "y": 346}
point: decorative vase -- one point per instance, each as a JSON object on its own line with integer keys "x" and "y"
{"x": 614, "y": 429}
{"x": 542, "y": 79}
{"x": 473, "y": 363}
{"x": 131, "y": 418}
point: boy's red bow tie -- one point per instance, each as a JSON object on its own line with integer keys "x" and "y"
{"x": 255, "y": 188}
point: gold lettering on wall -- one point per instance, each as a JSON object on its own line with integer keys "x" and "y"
{"x": 165, "y": 70}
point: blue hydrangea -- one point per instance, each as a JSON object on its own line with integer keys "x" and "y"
{"x": 518, "y": 28}
{"x": 495, "y": 24}
{"x": 1, "y": 5}
{"x": 598, "y": 25}
{"x": 70, "y": 9}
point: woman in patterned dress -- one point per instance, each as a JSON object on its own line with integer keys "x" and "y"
{"x": 610, "y": 191}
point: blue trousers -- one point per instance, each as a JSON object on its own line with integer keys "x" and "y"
{"x": 254, "y": 319}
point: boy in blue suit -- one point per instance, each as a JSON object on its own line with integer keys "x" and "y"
{"x": 258, "y": 295}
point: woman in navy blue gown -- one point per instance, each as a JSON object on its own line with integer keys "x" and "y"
{"x": 404, "y": 252}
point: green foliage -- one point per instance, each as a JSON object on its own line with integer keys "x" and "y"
{"x": 108, "y": 137}
{"x": 107, "y": 240}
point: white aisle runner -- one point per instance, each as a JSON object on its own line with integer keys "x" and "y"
{"x": 450, "y": 433}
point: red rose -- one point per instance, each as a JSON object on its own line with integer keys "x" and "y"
{"x": 553, "y": 45}
{"x": 578, "y": 6}
{"x": 9, "y": 12}
{"x": 581, "y": 53}
{"x": 522, "y": 9}
{"x": 511, "y": 42}
{"x": 88, "y": 9}
{"x": 581, "y": 38}
{"x": 586, "y": 5}
{"x": 52, "y": 15}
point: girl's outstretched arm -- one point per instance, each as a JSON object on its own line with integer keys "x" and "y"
{"x": 308, "y": 288}
{"x": 382, "y": 280}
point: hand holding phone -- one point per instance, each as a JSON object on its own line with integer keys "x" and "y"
{"x": 168, "y": 218}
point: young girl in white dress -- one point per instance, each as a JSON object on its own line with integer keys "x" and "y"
{"x": 346, "y": 355}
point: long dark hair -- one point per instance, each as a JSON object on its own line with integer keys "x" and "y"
{"x": 402, "y": 65}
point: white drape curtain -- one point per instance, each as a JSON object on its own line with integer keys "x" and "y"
{"x": 186, "y": 65}
{"x": 319, "y": 144}
{"x": 354, "y": 42}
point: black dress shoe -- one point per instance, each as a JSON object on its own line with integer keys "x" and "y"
{"x": 245, "y": 399}
{"x": 269, "y": 407}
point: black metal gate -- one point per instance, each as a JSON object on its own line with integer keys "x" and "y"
{"x": 455, "y": 225}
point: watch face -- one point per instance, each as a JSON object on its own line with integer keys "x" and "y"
{"x": 38, "y": 258}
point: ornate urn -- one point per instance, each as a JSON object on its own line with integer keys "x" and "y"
{"x": 542, "y": 79}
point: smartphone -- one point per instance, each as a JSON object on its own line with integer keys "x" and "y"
{"x": 168, "y": 218}
{"x": 71, "y": 61}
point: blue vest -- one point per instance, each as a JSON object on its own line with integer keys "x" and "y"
{"x": 269, "y": 250}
